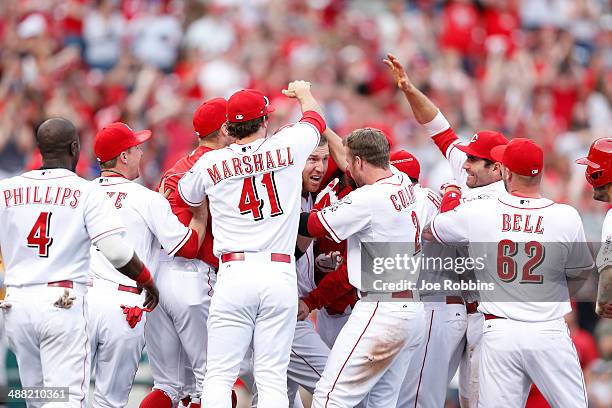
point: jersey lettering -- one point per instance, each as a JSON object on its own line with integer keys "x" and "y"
{"x": 39, "y": 235}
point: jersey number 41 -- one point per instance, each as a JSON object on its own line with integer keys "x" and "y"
{"x": 250, "y": 201}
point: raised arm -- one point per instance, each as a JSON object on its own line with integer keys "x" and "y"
{"x": 423, "y": 108}
{"x": 300, "y": 90}
{"x": 336, "y": 148}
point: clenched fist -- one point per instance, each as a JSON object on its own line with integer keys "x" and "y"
{"x": 297, "y": 89}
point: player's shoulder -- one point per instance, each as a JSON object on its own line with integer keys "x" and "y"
{"x": 565, "y": 210}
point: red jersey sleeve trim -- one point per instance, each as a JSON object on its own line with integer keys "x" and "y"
{"x": 315, "y": 120}
{"x": 188, "y": 247}
{"x": 321, "y": 218}
{"x": 107, "y": 233}
{"x": 444, "y": 140}
{"x": 185, "y": 200}
{"x": 433, "y": 230}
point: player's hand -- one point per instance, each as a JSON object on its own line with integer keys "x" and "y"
{"x": 152, "y": 296}
{"x": 65, "y": 301}
{"x": 399, "y": 74}
{"x": 297, "y": 89}
{"x": 133, "y": 314}
{"x": 604, "y": 310}
{"x": 329, "y": 262}
{"x": 303, "y": 310}
{"x": 451, "y": 185}
{"x": 327, "y": 196}
{"x": 162, "y": 189}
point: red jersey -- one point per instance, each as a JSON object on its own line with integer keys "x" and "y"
{"x": 181, "y": 209}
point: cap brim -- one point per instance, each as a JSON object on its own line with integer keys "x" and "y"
{"x": 143, "y": 136}
{"x": 587, "y": 162}
{"x": 497, "y": 153}
{"x": 469, "y": 151}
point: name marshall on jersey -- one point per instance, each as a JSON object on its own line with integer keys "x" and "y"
{"x": 251, "y": 164}
{"x": 51, "y": 195}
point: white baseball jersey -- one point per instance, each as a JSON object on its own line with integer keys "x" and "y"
{"x": 386, "y": 211}
{"x": 150, "y": 225}
{"x": 305, "y": 265}
{"x": 49, "y": 219}
{"x": 604, "y": 256}
{"x": 526, "y": 252}
{"x": 254, "y": 189}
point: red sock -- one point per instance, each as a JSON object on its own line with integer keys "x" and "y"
{"x": 194, "y": 405}
{"x": 156, "y": 399}
{"x": 234, "y": 399}
{"x": 186, "y": 400}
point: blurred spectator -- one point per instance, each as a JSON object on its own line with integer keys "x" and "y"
{"x": 103, "y": 31}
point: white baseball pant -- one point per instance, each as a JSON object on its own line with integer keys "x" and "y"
{"x": 255, "y": 301}
{"x": 115, "y": 346}
{"x": 307, "y": 361}
{"x": 51, "y": 344}
{"x": 514, "y": 354}
{"x": 470, "y": 360}
{"x": 329, "y": 326}
{"x": 175, "y": 332}
{"x": 371, "y": 355}
{"x": 440, "y": 351}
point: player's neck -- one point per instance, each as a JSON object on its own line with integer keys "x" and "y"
{"x": 56, "y": 164}
{"x": 260, "y": 134}
{"x": 211, "y": 144}
{"x": 375, "y": 174}
{"x": 114, "y": 172}
{"x": 524, "y": 191}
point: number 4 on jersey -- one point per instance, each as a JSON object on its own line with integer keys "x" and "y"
{"x": 250, "y": 201}
{"x": 39, "y": 235}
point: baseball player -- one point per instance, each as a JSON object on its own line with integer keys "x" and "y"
{"x": 115, "y": 309}
{"x": 49, "y": 218}
{"x": 178, "y": 326}
{"x": 528, "y": 256}
{"x": 598, "y": 174}
{"x": 479, "y": 177}
{"x": 371, "y": 353}
{"x": 253, "y": 188}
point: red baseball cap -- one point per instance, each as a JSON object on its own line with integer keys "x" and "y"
{"x": 406, "y": 163}
{"x": 210, "y": 116}
{"x": 599, "y": 162}
{"x": 481, "y": 144}
{"x": 522, "y": 156}
{"x": 116, "y": 138}
{"x": 247, "y": 104}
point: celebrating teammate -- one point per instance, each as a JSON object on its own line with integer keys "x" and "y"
{"x": 50, "y": 217}
{"x": 373, "y": 349}
{"x": 528, "y": 256}
{"x": 599, "y": 174}
{"x": 116, "y": 336}
{"x": 254, "y": 201}
{"x": 479, "y": 177}
{"x": 178, "y": 326}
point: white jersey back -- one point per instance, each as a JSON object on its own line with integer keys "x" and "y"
{"x": 528, "y": 247}
{"x": 49, "y": 220}
{"x": 385, "y": 211}
{"x": 150, "y": 225}
{"x": 254, "y": 190}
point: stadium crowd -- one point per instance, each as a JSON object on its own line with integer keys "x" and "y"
{"x": 531, "y": 68}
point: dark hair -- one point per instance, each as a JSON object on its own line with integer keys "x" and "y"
{"x": 240, "y": 130}
{"x": 109, "y": 164}
{"x": 371, "y": 145}
{"x": 322, "y": 142}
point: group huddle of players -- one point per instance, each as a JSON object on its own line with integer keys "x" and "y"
{"x": 210, "y": 272}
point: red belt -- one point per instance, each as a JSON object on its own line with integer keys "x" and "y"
{"x": 454, "y": 300}
{"x": 472, "y": 307}
{"x": 130, "y": 289}
{"x": 122, "y": 288}
{"x": 488, "y": 316}
{"x": 61, "y": 284}
{"x": 239, "y": 256}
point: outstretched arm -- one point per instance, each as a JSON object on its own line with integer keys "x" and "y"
{"x": 423, "y": 108}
